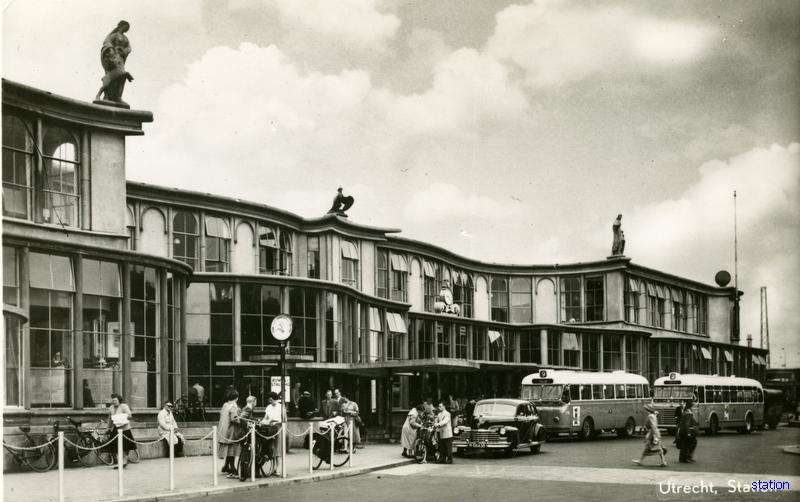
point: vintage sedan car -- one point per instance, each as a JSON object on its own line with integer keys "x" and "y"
{"x": 501, "y": 425}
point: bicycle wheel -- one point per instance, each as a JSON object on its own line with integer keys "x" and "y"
{"x": 41, "y": 459}
{"x": 133, "y": 456}
{"x": 341, "y": 454}
{"x": 106, "y": 457}
{"x": 85, "y": 451}
{"x": 419, "y": 450}
{"x": 320, "y": 451}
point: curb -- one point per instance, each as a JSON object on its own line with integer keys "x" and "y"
{"x": 246, "y": 487}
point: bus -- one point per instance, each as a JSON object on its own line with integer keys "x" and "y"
{"x": 719, "y": 402}
{"x": 588, "y": 403}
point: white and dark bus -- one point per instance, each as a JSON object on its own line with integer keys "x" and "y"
{"x": 719, "y": 402}
{"x": 587, "y": 403}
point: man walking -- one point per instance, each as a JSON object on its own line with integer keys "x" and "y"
{"x": 687, "y": 434}
{"x": 445, "y": 429}
{"x": 167, "y": 423}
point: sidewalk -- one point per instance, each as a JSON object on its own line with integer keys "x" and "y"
{"x": 149, "y": 480}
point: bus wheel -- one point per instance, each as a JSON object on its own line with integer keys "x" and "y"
{"x": 713, "y": 426}
{"x": 630, "y": 428}
{"x": 587, "y": 429}
{"x": 748, "y": 424}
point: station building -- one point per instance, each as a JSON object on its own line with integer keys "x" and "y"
{"x": 116, "y": 286}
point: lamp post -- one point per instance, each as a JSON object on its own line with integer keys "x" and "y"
{"x": 281, "y": 329}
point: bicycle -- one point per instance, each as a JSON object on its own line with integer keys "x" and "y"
{"x": 321, "y": 448}
{"x": 187, "y": 410}
{"x": 87, "y": 449}
{"x": 109, "y": 454}
{"x": 37, "y": 455}
{"x": 265, "y": 463}
{"x": 424, "y": 446}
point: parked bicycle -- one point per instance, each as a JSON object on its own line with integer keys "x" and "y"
{"x": 187, "y": 410}
{"x": 89, "y": 444}
{"x": 265, "y": 463}
{"x": 321, "y": 449}
{"x": 424, "y": 447}
{"x": 35, "y": 454}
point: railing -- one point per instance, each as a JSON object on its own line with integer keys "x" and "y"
{"x": 345, "y": 431}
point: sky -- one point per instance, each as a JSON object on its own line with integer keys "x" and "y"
{"x": 506, "y": 132}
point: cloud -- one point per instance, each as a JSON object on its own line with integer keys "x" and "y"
{"x": 556, "y": 44}
{"x": 444, "y": 201}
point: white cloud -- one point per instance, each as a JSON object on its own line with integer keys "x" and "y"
{"x": 670, "y": 41}
{"x": 444, "y": 201}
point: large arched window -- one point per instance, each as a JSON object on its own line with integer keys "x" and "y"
{"x": 268, "y": 250}
{"x": 130, "y": 226}
{"x": 218, "y": 239}
{"x": 185, "y": 234}
{"x": 349, "y": 264}
{"x": 18, "y": 145}
{"x": 500, "y": 299}
{"x": 60, "y": 186}
{"x": 285, "y": 256}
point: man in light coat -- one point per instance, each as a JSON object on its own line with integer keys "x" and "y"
{"x": 166, "y": 423}
{"x": 445, "y": 428}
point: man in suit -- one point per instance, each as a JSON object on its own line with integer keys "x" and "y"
{"x": 445, "y": 429}
{"x": 687, "y": 434}
{"x": 329, "y": 407}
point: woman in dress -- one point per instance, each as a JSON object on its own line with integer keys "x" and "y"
{"x": 120, "y": 412}
{"x": 410, "y": 427}
{"x": 229, "y": 433}
{"x": 652, "y": 441}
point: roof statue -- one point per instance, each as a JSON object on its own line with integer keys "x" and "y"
{"x": 341, "y": 203}
{"x": 618, "y": 246}
{"x": 113, "y": 55}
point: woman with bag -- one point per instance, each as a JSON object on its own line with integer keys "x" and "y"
{"x": 652, "y": 441}
{"x": 351, "y": 411}
{"x": 119, "y": 419}
{"x": 229, "y": 433}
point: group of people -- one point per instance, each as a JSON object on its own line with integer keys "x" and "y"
{"x": 336, "y": 404}
{"x": 685, "y": 435}
{"x": 428, "y": 415}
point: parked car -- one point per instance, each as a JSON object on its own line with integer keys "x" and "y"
{"x": 500, "y": 425}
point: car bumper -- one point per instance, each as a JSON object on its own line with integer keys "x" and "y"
{"x": 480, "y": 445}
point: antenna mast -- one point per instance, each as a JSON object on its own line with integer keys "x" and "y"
{"x": 764, "y": 322}
{"x": 735, "y": 330}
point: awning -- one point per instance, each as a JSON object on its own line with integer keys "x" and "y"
{"x": 728, "y": 356}
{"x": 755, "y": 359}
{"x": 399, "y": 263}
{"x": 430, "y": 270}
{"x": 762, "y": 361}
{"x": 496, "y": 337}
{"x": 349, "y": 250}
{"x": 464, "y": 278}
{"x": 216, "y": 227}
{"x": 396, "y": 322}
{"x": 677, "y": 295}
{"x": 660, "y": 292}
{"x": 651, "y": 291}
{"x": 706, "y": 353}
{"x": 569, "y": 341}
{"x": 633, "y": 284}
{"x": 374, "y": 319}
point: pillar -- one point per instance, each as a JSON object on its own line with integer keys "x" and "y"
{"x": 77, "y": 335}
{"x": 125, "y": 356}
{"x": 543, "y": 346}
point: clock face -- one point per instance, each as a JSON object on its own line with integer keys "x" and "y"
{"x": 281, "y": 327}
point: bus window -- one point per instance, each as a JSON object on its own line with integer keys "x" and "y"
{"x": 759, "y": 396}
{"x": 620, "y": 390}
{"x": 565, "y": 394}
{"x": 709, "y": 394}
{"x": 526, "y": 392}
{"x": 648, "y": 392}
{"x": 597, "y": 391}
{"x": 639, "y": 392}
{"x": 575, "y": 392}
{"x": 608, "y": 391}
{"x": 726, "y": 394}
{"x": 586, "y": 392}
{"x": 630, "y": 391}
{"x": 736, "y": 395}
{"x": 701, "y": 394}
{"x": 718, "y": 394}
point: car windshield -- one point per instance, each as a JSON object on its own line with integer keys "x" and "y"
{"x": 545, "y": 392}
{"x": 495, "y": 410}
{"x": 673, "y": 392}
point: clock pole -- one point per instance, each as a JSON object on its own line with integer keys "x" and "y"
{"x": 283, "y": 381}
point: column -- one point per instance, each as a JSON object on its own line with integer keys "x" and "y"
{"x": 125, "y": 356}
{"x": 77, "y": 335}
{"x": 183, "y": 353}
{"x": 543, "y": 346}
{"x": 163, "y": 340}
{"x": 25, "y": 305}
{"x": 86, "y": 188}
{"x": 237, "y": 322}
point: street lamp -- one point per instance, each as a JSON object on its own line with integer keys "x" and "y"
{"x": 281, "y": 329}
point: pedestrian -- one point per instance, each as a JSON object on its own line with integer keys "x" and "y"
{"x": 687, "y": 434}
{"x": 273, "y": 417}
{"x": 167, "y": 423}
{"x": 337, "y": 396}
{"x": 294, "y": 404}
{"x": 248, "y": 412}
{"x": 678, "y": 413}
{"x": 351, "y": 412}
{"x": 652, "y": 441}
{"x": 329, "y": 406}
{"x": 305, "y": 406}
{"x": 445, "y": 429}
{"x": 412, "y": 424}
{"x": 119, "y": 419}
{"x": 229, "y": 434}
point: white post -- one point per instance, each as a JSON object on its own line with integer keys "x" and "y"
{"x": 350, "y": 444}
{"x": 310, "y": 449}
{"x": 171, "y": 446}
{"x": 120, "y": 464}
{"x": 333, "y": 446}
{"x": 253, "y": 454}
{"x": 214, "y": 452}
{"x": 60, "y": 466}
{"x": 283, "y": 450}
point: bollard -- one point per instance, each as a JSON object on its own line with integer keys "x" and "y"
{"x": 333, "y": 445}
{"x": 171, "y": 459}
{"x": 253, "y": 454}
{"x": 60, "y": 466}
{"x": 283, "y": 450}
{"x": 350, "y": 444}
{"x": 120, "y": 464}
{"x": 214, "y": 455}
{"x": 310, "y": 449}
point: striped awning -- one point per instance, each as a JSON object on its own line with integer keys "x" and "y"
{"x": 706, "y": 353}
{"x": 399, "y": 263}
{"x": 430, "y": 270}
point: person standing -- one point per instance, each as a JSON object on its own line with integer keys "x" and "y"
{"x": 119, "y": 419}
{"x": 229, "y": 433}
{"x": 305, "y": 405}
{"x": 294, "y": 404}
{"x": 687, "y": 434}
{"x": 337, "y": 396}
{"x": 410, "y": 427}
{"x": 273, "y": 416}
{"x": 167, "y": 423}
{"x": 329, "y": 406}
{"x": 678, "y": 413}
{"x": 652, "y": 441}
{"x": 351, "y": 412}
{"x": 445, "y": 429}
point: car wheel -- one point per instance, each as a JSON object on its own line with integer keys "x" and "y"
{"x": 541, "y": 437}
{"x": 628, "y": 430}
{"x": 587, "y": 429}
{"x": 713, "y": 426}
{"x": 748, "y": 424}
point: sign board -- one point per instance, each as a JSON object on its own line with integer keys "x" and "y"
{"x": 275, "y": 386}
{"x": 576, "y": 416}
